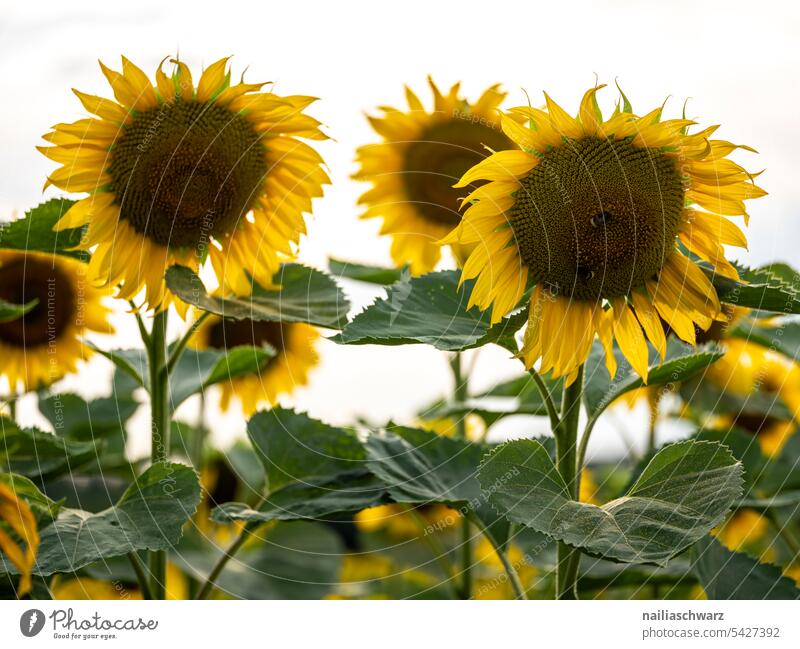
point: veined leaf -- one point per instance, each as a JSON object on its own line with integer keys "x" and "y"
{"x": 34, "y": 231}
{"x": 421, "y": 467}
{"x": 430, "y": 309}
{"x": 312, "y": 470}
{"x": 733, "y": 575}
{"x": 759, "y": 288}
{"x": 682, "y": 362}
{"x": 684, "y": 492}
{"x": 149, "y": 516}
{"x": 305, "y": 295}
{"x": 34, "y": 453}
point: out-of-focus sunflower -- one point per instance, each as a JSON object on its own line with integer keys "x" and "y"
{"x": 19, "y": 535}
{"x": 592, "y": 212}
{"x": 178, "y": 173}
{"x": 45, "y": 344}
{"x": 748, "y": 368}
{"x": 399, "y": 523}
{"x": 294, "y": 342}
{"x": 86, "y": 588}
{"x": 413, "y": 169}
{"x": 742, "y": 529}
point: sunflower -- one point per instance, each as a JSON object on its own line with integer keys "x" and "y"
{"x": 412, "y": 171}
{"x": 294, "y": 342}
{"x": 178, "y": 173}
{"x": 602, "y": 217}
{"x": 45, "y": 344}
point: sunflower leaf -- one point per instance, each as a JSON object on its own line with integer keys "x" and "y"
{"x": 724, "y": 574}
{"x": 681, "y": 362}
{"x": 364, "y": 273}
{"x": 132, "y": 362}
{"x": 35, "y": 453}
{"x": 10, "y": 312}
{"x": 148, "y": 516}
{"x": 34, "y": 231}
{"x": 197, "y": 370}
{"x": 305, "y": 295}
{"x": 763, "y": 289}
{"x": 421, "y": 467}
{"x": 312, "y": 470}
{"x": 684, "y": 492}
{"x": 431, "y": 309}
{"x": 44, "y": 509}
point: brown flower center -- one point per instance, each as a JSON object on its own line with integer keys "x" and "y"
{"x": 435, "y": 162}
{"x": 185, "y": 171}
{"x": 597, "y": 218}
{"x": 26, "y": 279}
{"x": 227, "y": 334}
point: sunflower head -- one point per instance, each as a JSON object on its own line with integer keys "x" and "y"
{"x": 296, "y": 356}
{"x": 413, "y": 169}
{"x": 45, "y": 343}
{"x": 606, "y": 218}
{"x": 178, "y": 172}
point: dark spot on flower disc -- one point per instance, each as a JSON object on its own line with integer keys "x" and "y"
{"x": 185, "y": 171}
{"x": 596, "y": 218}
{"x": 438, "y": 159}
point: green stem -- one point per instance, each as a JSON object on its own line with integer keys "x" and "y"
{"x": 159, "y": 430}
{"x": 436, "y": 547}
{"x": 227, "y": 555}
{"x": 198, "y": 442}
{"x": 511, "y": 572}
{"x": 461, "y": 394}
{"x": 786, "y": 534}
{"x": 141, "y": 575}
{"x": 566, "y": 435}
{"x": 548, "y": 400}
{"x": 180, "y": 346}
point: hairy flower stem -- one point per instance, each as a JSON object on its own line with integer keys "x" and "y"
{"x": 159, "y": 429}
{"x": 460, "y": 395}
{"x": 566, "y": 435}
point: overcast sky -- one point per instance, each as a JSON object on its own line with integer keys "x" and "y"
{"x": 737, "y": 62}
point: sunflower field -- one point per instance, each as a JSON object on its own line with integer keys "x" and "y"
{"x": 594, "y": 245}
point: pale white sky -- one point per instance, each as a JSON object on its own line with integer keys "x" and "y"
{"x": 737, "y": 62}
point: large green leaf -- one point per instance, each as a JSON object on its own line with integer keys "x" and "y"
{"x": 431, "y": 309}
{"x": 421, "y": 467}
{"x": 305, "y": 295}
{"x": 681, "y": 495}
{"x": 35, "y": 231}
{"x": 34, "y": 453}
{"x": 149, "y": 516}
{"x": 364, "y": 273}
{"x": 682, "y": 361}
{"x": 732, "y": 575}
{"x": 759, "y": 288}
{"x": 312, "y": 470}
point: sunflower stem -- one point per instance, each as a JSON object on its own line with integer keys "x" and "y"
{"x": 460, "y": 395}
{"x": 180, "y": 346}
{"x": 510, "y": 570}
{"x": 227, "y": 555}
{"x": 159, "y": 430}
{"x": 141, "y": 575}
{"x": 552, "y": 412}
{"x": 566, "y": 434}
